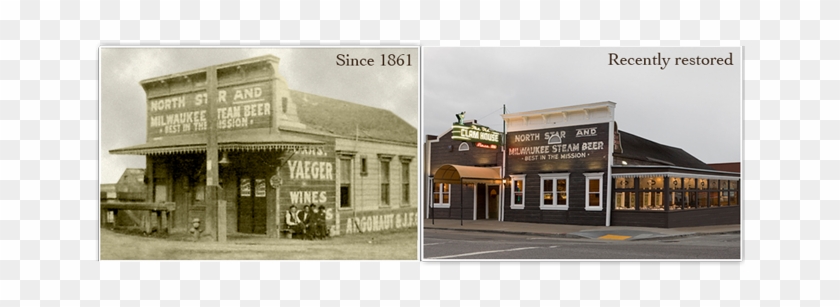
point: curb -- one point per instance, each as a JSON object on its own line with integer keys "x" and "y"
{"x": 690, "y": 234}
{"x": 540, "y": 234}
{"x": 576, "y": 236}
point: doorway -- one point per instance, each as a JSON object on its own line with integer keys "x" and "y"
{"x": 493, "y": 202}
{"x": 252, "y": 204}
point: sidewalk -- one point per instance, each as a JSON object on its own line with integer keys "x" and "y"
{"x": 578, "y": 231}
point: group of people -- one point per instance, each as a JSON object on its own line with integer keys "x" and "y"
{"x": 309, "y": 223}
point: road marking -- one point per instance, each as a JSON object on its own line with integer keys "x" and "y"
{"x": 614, "y": 237}
{"x": 484, "y": 252}
{"x": 428, "y": 244}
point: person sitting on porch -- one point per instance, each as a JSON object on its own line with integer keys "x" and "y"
{"x": 304, "y": 218}
{"x": 312, "y": 227}
{"x": 293, "y": 222}
{"x": 322, "y": 222}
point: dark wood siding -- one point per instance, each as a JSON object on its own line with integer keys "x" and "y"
{"x": 685, "y": 218}
{"x": 532, "y": 165}
{"x": 455, "y": 207}
{"x": 442, "y": 155}
{"x": 445, "y": 151}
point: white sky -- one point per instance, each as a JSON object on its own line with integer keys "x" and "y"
{"x": 696, "y": 108}
{"x": 311, "y": 70}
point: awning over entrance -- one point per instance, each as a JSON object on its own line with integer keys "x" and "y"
{"x": 455, "y": 174}
{"x": 233, "y": 141}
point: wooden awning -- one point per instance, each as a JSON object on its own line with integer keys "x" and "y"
{"x": 456, "y": 174}
{"x": 197, "y": 143}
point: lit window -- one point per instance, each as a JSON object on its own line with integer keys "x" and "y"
{"x": 517, "y": 198}
{"x": 464, "y": 146}
{"x": 652, "y": 195}
{"x": 594, "y": 200}
{"x": 554, "y": 191}
{"x": 440, "y": 195}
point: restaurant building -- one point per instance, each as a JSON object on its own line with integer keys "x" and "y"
{"x": 572, "y": 165}
{"x": 278, "y": 147}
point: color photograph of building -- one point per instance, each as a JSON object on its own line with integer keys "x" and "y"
{"x": 583, "y": 144}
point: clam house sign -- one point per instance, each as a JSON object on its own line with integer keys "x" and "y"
{"x": 572, "y": 165}
{"x": 475, "y": 133}
{"x": 278, "y": 148}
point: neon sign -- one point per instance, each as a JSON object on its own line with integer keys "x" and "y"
{"x": 475, "y": 133}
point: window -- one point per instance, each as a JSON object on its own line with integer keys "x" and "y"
{"x": 440, "y": 195}
{"x": 517, "y": 198}
{"x": 554, "y": 191}
{"x": 345, "y": 166}
{"x": 363, "y": 171}
{"x": 652, "y": 196}
{"x": 464, "y": 146}
{"x": 284, "y": 103}
{"x": 385, "y": 181}
{"x": 593, "y": 191}
{"x": 625, "y": 198}
{"x": 406, "y": 172}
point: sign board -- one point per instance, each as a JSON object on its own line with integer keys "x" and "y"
{"x": 475, "y": 133}
{"x": 247, "y": 106}
{"x": 563, "y": 148}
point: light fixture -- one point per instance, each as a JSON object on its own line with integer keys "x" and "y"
{"x": 623, "y": 162}
{"x": 224, "y": 161}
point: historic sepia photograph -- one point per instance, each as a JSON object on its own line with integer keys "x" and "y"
{"x": 259, "y": 153}
{"x": 585, "y": 153}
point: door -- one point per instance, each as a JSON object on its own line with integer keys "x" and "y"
{"x": 493, "y": 202}
{"x": 252, "y": 205}
{"x": 481, "y": 201}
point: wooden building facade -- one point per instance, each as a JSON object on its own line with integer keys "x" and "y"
{"x": 572, "y": 165}
{"x": 278, "y": 148}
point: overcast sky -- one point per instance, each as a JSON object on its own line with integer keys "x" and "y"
{"x": 696, "y": 108}
{"x": 311, "y": 70}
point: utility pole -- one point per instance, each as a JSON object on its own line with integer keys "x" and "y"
{"x": 212, "y": 205}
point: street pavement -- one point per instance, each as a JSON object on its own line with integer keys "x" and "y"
{"x": 448, "y": 239}
{"x": 578, "y": 231}
{"x": 441, "y": 244}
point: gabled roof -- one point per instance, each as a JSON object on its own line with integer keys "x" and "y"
{"x": 342, "y": 118}
{"x": 637, "y": 150}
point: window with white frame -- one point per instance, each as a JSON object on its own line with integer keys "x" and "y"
{"x": 554, "y": 190}
{"x": 464, "y": 146}
{"x": 517, "y": 197}
{"x": 440, "y": 195}
{"x": 594, "y": 195}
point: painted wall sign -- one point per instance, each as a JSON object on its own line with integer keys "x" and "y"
{"x": 309, "y": 177}
{"x": 585, "y": 143}
{"x": 475, "y": 133}
{"x": 239, "y": 107}
{"x": 379, "y": 222}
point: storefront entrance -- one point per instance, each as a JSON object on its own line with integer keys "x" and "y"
{"x": 252, "y": 204}
{"x": 493, "y": 202}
